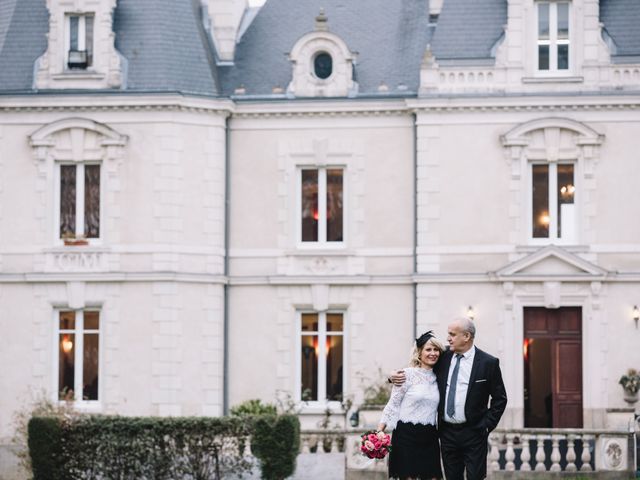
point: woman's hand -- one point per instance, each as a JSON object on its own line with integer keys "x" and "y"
{"x": 381, "y": 427}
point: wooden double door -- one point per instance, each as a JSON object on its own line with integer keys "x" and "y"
{"x": 553, "y": 367}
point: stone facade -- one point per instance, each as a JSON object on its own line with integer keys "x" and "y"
{"x": 199, "y": 272}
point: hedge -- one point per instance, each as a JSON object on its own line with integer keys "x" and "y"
{"x": 276, "y": 442}
{"x": 126, "y": 448}
{"x": 45, "y": 448}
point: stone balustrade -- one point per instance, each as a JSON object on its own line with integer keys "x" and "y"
{"x": 533, "y": 451}
{"x": 513, "y": 453}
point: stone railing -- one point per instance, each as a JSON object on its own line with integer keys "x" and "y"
{"x": 625, "y": 75}
{"x": 322, "y": 441}
{"x": 533, "y": 451}
{"x": 514, "y": 453}
{"x": 463, "y": 79}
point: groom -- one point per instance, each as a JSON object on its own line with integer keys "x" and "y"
{"x": 467, "y": 379}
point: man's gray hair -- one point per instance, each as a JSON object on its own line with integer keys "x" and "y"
{"x": 467, "y": 326}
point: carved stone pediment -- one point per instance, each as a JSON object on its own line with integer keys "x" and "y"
{"x": 551, "y": 262}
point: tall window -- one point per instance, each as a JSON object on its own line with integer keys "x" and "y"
{"x": 321, "y": 213}
{"x": 80, "y": 41}
{"x": 321, "y": 356}
{"x": 78, "y": 340}
{"x": 553, "y": 202}
{"x": 79, "y": 211}
{"x": 553, "y": 36}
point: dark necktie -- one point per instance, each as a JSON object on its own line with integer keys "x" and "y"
{"x": 451, "y": 398}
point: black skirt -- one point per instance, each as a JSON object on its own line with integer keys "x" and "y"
{"x": 415, "y": 452}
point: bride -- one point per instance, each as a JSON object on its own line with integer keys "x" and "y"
{"x": 412, "y": 413}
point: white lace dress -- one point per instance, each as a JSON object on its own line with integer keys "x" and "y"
{"x": 416, "y": 401}
{"x": 412, "y": 413}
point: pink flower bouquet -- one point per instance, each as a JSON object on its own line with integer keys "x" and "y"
{"x": 375, "y": 444}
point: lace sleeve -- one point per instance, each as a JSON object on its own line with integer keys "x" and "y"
{"x": 392, "y": 409}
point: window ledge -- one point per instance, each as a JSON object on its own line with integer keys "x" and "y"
{"x": 320, "y": 408}
{"x": 314, "y": 251}
{"x": 84, "y": 406}
{"x": 76, "y": 248}
{"x": 70, "y": 74}
{"x": 554, "y": 79}
{"x": 569, "y": 248}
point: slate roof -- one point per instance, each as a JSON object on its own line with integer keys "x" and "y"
{"x": 621, "y": 20}
{"x": 27, "y": 24}
{"x": 389, "y": 37}
{"x": 163, "y": 41}
{"x": 165, "y": 45}
{"x": 167, "y": 49}
{"x": 468, "y": 29}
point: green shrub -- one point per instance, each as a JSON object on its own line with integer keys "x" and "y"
{"x": 199, "y": 448}
{"x": 138, "y": 447}
{"x": 276, "y": 442}
{"x": 45, "y": 447}
{"x": 253, "y": 407}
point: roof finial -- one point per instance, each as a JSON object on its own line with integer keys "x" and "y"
{"x": 321, "y": 21}
{"x": 427, "y": 58}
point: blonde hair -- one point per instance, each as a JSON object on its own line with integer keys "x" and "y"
{"x": 415, "y": 351}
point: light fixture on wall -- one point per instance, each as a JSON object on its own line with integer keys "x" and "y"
{"x": 470, "y": 313}
{"x": 636, "y": 315}
{"x": 354, "y": 419}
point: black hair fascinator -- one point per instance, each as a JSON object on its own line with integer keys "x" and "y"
{"x": 424, "y": 338}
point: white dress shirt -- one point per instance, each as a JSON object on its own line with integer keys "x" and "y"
{"x": 462, "y": 385}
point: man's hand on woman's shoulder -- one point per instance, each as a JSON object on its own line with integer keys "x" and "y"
{"x": 397, "y": 377}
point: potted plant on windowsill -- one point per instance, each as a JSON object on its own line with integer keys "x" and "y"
{"x": 72, "y": 240}
{"x": 630, "y": 382}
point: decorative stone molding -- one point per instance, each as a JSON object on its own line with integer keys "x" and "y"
{"x": 73, "y": 140}
{"x": 613, "y": 453}
{"x": 107, "y": 68}
{"x": 304, "y": 82}
{"x": 76, "y": 262}
{"x": 77, "y": 139}
{"x": 552, "y": 140}
{"x": 556, "y": 262}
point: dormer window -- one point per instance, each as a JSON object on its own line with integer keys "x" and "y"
{"x": 323, "y": 65}
{"x": 553, "y": 37}
{"x": 80, "y": 41}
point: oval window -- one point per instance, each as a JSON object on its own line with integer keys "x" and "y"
{"x": 323, "y": 65}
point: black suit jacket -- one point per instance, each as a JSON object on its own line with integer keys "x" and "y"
{"x": 485, "y": 383}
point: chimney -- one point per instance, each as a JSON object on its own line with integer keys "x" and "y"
{"x": 225, "y": 16}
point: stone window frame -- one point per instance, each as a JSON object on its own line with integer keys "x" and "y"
{"x": 322, "y": 335}
{"x": 82, "y": 29}
{"x": 554, "y": 72}
{"x": 322, "y": 242}
{"x": 583, "y": 151}
{"x": 79, "y": 331}
{"x": 49, "y": 154}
